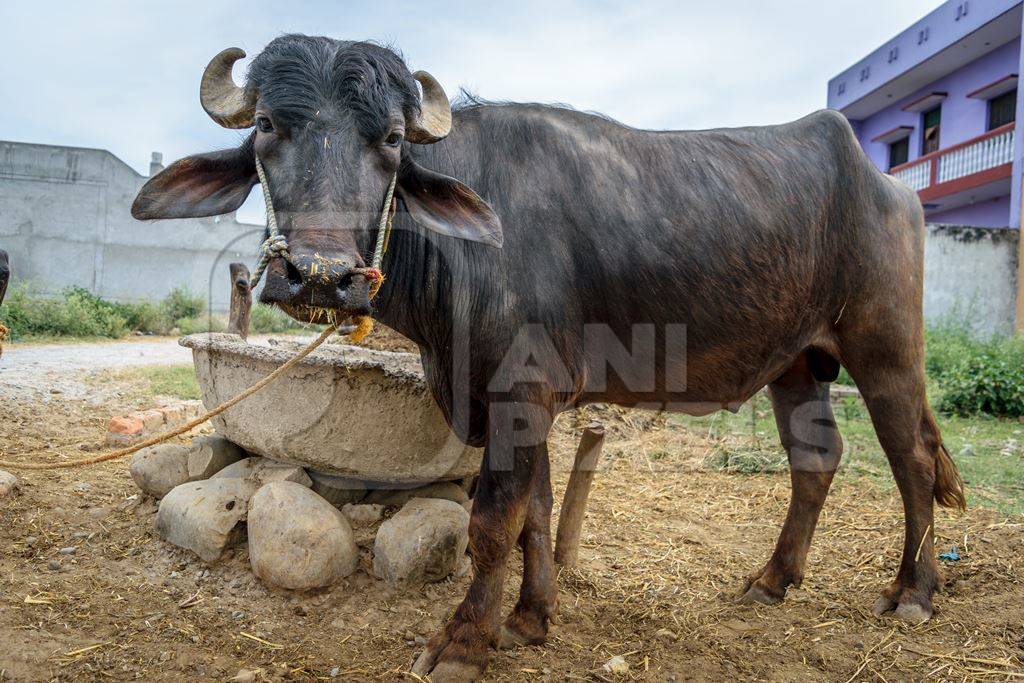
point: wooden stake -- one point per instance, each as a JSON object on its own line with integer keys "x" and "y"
{"x": 241, "y": 300}
{"x": 574, "y": 505}
{"x": 5, "y": 274}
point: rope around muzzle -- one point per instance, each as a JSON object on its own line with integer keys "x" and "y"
{"x": 274, "y": 245}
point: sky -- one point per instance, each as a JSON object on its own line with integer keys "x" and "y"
{"x": 124, "y": 76}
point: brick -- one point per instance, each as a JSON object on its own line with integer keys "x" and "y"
{"x": 125, "y": 425}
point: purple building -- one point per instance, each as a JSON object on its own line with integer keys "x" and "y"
{"x": 937, "y": 105}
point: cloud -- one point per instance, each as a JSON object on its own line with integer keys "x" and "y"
{"x": 124, "y": 75}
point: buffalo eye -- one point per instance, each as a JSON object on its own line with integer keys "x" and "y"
{"x": 393, "y": 139}
{"x": 264, "y": 125}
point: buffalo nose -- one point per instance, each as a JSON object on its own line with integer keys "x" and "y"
{"x": 321, "y": 282}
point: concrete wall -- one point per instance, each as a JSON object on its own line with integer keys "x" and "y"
{"x": 65, "y": 220}
{"x": 971, "y": 274}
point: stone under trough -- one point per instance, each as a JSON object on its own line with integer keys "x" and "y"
{"x": 344, "y": 439}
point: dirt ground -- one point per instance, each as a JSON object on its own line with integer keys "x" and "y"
{"x": 665, "y": 546}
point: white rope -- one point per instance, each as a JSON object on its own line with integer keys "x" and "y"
{"x": 276, "y": 245}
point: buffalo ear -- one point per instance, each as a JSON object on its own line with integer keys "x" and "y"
{"x": 200, "y": 185}
{"x": 446, "y": 206}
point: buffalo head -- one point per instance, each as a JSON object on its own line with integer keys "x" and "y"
{"x": 333, "y": 123}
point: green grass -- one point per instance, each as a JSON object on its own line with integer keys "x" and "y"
{"x": 178, "y": 381}
{"x": 993, "y": 474}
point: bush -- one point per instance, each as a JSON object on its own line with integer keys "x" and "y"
{"x": 205, "y": 323}
{"x": 264, "y": 319}
{"x": 181, "y": 303}
{"x": 984, "y": 377}
{"x": 77, "y": 314}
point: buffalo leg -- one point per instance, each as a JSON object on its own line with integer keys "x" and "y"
{"x": 500, "y": 509}
{"x": 528, "y": 623}
{"x": 811, "y": 438}
{"x": 910, "y": 438}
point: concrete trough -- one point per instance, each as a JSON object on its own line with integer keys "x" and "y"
{"x": 345, "y": 410}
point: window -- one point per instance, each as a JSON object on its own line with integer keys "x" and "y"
{"x": 1002, "y": 109}
{"x": 899, "y": 152}
{"x": 930, "y": 139}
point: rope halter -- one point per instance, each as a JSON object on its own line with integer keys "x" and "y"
{"x": 276, "y": 245}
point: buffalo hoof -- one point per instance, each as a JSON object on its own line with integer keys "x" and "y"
{"x": 756, "y": 594}
{"x": 526, "y": 627}
{"x": 445, "y": 661}
{"x": 759, "y": 589}
{"x": 906, "y": 608}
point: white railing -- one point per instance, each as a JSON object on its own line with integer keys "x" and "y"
{"x": 917, "y": 176}
{"x": 988, "y": 151}
{"x": 977, "y": 157}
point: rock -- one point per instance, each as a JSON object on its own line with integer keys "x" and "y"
{"x": 81, "y": 487}
{"x": 260, "y": 471}
{"x": 363, "y": 514}
{"x": 158, "y": 469}
{"x": 297, "y": 539}
{"x": 446, "y": 490}
{"x": 205, "y": 516}
{"x": 53, "y": 565}
{"x": 210, "y": 454}
{"x": 8, "y": 482}
{"x": 666, "y": 635}
{"x": 966, "y": 452}
{"x": 246, "y": 675}
{"x": 616, "y": 665}
{"x": 337, "y": 491}
{"x": 423, "y": 542}
{"x": 70, "y": 550}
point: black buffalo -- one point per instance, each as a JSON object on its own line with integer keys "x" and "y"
{"x": 543, "y": 258}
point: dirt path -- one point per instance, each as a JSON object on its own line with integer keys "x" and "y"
{"x": 41, "y": 369}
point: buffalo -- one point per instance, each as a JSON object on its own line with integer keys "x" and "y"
{"x": 543, "y": 258}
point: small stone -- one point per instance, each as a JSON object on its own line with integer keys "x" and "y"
{"x": 246, "y": 676}
{"x": 205, "y": 516}
{"x": 423, "y": 542}
{"x": 54, "y": 565}
{"x": 363, "y": 514}
{"x": 158, "y": 469}
{"x": 335, "y": 670}
{"x": 445, "y": 490}
{"x": 337, "y": 491}
{"x": 967, "y": 451}
{"x": 238, "y": 614}
{"x": 298, "y": 540}
{"x": 30, "y": 541}
{"x": 260, "y": 471}
{"x": 210, "y": 454}
{"x": 666, "y": 634}
{"x": 70, "y": 550}
{"x": 8, "y": 482}
{"x": 81, "y": 487}
{"x": 616, "y": 665}
{"x": 98, "y": 512}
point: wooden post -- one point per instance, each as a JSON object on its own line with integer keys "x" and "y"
{"x": 241, "y": 300}
{"x": 574, "y": 505}
{"x": 5, "y": 274}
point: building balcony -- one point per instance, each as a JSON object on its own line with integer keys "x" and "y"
{"x": 973, "y": 168}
